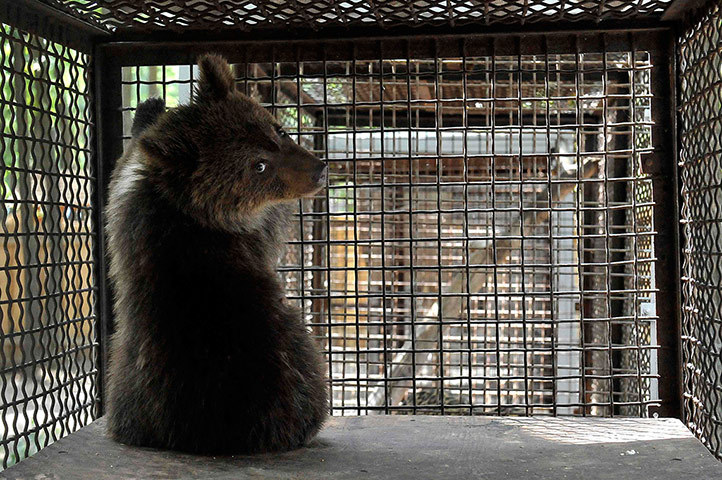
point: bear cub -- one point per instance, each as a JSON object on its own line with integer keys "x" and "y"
{"x": 207, "y": 356}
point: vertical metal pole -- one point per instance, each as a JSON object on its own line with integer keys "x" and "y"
{"x": 412, "y": 276}
{"x": 107, "y": 101}
{"x": 662, "y": 167}
{"x": 495, "y": 252}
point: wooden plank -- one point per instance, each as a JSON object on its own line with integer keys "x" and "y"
{"x": 413, "y": 448}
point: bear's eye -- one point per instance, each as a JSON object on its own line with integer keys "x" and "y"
{"x": 281, "y": 132}
{"x": 260, "y": 167}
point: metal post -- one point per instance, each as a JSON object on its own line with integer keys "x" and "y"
{"x": 663, "y": 169}
{"x": 106, "y": 81}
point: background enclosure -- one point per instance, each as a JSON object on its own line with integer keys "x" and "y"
{"x": 519, "y": 220}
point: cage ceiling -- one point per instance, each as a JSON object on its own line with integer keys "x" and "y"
{"x": 128, "y": 15}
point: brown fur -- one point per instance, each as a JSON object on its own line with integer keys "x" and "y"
{"x": 208, "y": 356}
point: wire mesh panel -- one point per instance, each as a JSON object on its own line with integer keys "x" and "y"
{"x": 47, "y": 360}
{"x": 316, "y": 14}
{"x": 701, "y": 177}
{"x": 486, "y": 241}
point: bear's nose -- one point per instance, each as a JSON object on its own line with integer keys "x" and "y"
{"x": 321, "y": 174}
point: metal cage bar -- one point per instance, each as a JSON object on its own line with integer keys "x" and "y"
{"x": 48, "y": 335}
{"x": 318, "y": 14}
{"x": 699, "y": 162}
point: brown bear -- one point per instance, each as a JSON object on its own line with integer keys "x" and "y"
{"x": 208, "y": 356}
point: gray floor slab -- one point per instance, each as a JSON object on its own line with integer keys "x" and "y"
{"x": 408, "y": 447}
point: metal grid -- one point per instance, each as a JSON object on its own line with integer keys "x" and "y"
{"x": 486, "y": 242}
{"x": 701, "y": 178}
{"x": 47, "y": 361}
{"x": 317, "y": 14}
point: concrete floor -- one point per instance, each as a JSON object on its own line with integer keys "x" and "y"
{"x": 414, "y": 448}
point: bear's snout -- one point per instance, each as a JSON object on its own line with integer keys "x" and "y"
{"x": 321, "y": 174}
{"x": 303, "y": 173}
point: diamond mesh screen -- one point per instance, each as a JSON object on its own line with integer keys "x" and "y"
{"x": 47, "y": 359}
{"x": 700, "y": 62}
{"x": 486, "y": 242}
{"x": 315, "y": 14}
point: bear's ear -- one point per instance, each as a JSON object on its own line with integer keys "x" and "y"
{"x": 165, "y": 147}
{"x": 216, "y": 80}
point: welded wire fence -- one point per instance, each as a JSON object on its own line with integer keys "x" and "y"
{"x": 47, "y": 340}
{"x": 486, "y": 241}
{"x": 121, "y": 15}
{"x": 701, "y": 179}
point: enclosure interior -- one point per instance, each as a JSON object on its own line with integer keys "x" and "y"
{"x": 499, "y": 234}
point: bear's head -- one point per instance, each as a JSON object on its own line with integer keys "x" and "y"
{"x": 224, "y": 157}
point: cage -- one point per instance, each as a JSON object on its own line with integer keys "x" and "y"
{"x": 522, "y": 219}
